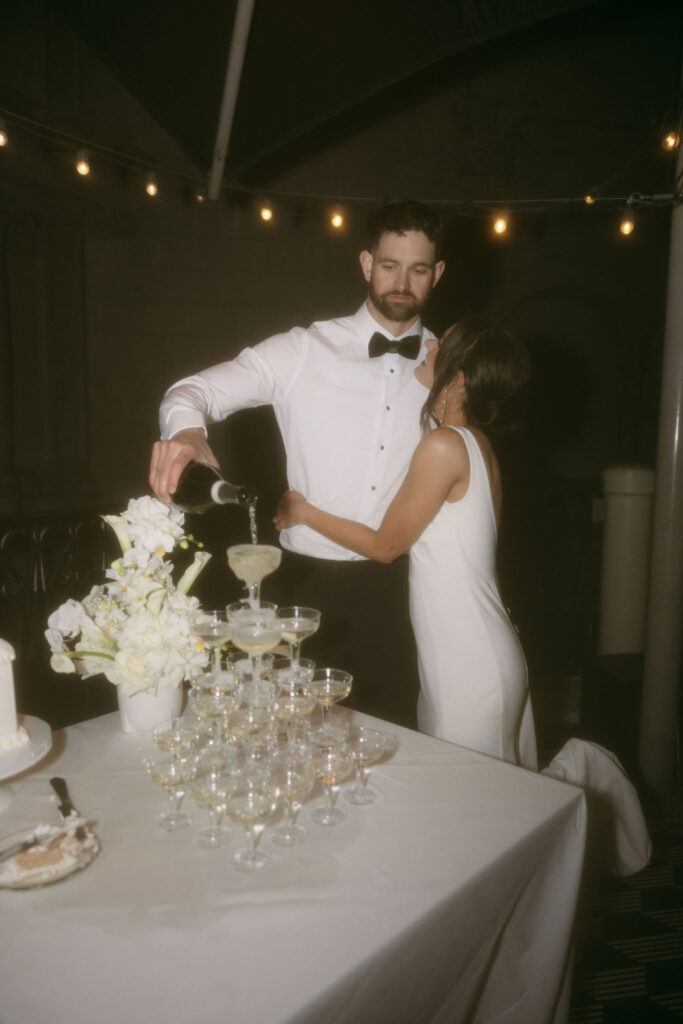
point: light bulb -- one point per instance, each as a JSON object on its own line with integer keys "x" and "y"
{"x": 627, "y": 223}
{"x": 671, "y": 140}
{"x": 151, "y": 188}
{"x": 83, "y": 162}
{"x": 200, "y": 195}
{"x": 589, "y": 198}
{"x": 4, "y": 138}
{"x": 337, "y": 220}
{"x": 266, "y": 212}
{"x": 500, "y": 225}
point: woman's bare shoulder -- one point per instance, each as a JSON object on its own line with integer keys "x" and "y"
{"x": 443, "y": 439}
{"x": 442, "y": 444}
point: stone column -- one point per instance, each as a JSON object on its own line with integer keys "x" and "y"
{"x": 657, "y": 754}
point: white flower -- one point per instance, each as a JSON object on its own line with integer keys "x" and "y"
{"x": 62, "y": 663}
{"x": 153, "y": 525}
{"x": 68, "y": 618}
{"x": 118, "y": 525}
{"x": 131, "y": 671}
{"x": 193, "y": 571}
{"x": 135, "y": 627}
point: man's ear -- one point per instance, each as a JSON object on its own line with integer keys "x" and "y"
{"x": 438, "y": 271}
{"x": 366, "y": 263}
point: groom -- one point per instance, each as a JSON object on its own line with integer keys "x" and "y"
{"x": 347, "y": 404}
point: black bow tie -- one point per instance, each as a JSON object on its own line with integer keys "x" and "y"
{"x": 408, "y": 347}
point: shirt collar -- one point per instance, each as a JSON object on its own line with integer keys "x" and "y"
{"x": 366, "y": 325}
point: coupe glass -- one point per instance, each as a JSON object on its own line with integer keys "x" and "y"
{"x": 255, "y": 630}
{"x": 209, "y": 793}
{"x": 332, "y": 762}
{"x": 172, "y": 776}
{"x": 292, "y": 706}
{"x": 328, "y": 686}
{"x": 214, "y": 629}
{"x": 211, "y": 767}
{"x": 293, "y": 773}
{"x": 288, "y": 676}
{"x": 222, "y": 680}
{"x": 297, "y": 624}
{"x": 213, "y": 709}
{"x": 367, "y": 746}
{"x": 251, "y": 799}
{"x": 251, "y": 563}
{"x": 251, "y": 725}
{"x": 175, "y": 741}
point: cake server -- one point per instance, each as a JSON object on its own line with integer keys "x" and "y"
{"x": 66, "y": 806}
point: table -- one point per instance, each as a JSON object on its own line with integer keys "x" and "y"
{"x": 450, "y": 899}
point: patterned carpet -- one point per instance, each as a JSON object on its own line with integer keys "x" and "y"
{"x": 630, "y": 967}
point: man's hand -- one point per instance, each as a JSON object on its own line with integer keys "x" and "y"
{"x": 291, "y": 507}
{"x": 169, "y": 459}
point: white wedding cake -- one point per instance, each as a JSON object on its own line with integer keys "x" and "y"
{"x": 12, "y": 735}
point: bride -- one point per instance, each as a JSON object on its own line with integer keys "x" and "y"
{"x": 473, "y": 676}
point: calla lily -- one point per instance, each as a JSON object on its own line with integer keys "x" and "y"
{"x": 193, "y": 571}
{"x": 135, "y": 628}
{"x": 155, "y": 601}
{"x": 118, "y": 525}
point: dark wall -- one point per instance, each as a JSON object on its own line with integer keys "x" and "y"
{"x": 108, "y": 296}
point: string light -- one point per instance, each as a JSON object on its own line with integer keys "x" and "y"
{"x": 500, "y": 224}
{"x": 628, "y": 223}
{"x": 266, "y": 211}
{"x": 83, "y": 162}
{"x": 336, "y": 214}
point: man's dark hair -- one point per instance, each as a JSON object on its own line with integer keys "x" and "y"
{"x": 408, "y": 215}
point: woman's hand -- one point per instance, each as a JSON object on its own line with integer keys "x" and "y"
{"x": 289, "y": 510}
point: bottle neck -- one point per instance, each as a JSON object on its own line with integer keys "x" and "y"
{"x": 223, "y": 493}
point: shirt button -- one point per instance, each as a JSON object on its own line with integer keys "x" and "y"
{"x": 373, "y": 488}
{"x": 381, "y": 447}
{"x": 388, "y": 408}
{"x": 391, "y": 370}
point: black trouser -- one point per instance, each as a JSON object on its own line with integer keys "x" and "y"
{"x": 364, "y": 627}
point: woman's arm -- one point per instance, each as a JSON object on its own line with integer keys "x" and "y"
{"x": 439, "y": 462}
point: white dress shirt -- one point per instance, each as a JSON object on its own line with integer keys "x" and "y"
{"x": 349, "y": 423}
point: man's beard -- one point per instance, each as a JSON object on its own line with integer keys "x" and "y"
{"x": 396, "y": 311}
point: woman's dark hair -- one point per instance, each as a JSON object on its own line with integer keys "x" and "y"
{"x": 495, "y": 366}
{"x": 407, "y": 215}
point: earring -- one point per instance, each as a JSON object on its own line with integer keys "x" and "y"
{"x": 441, "y": 416}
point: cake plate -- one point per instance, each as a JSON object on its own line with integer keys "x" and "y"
{"x": 12, "y": 762}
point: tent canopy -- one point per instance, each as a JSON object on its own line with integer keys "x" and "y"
{"x": 306, "y": 63}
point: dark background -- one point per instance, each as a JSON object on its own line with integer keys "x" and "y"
{"x": 107, "y": 296}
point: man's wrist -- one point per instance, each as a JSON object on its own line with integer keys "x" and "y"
{"x": 171, "y": 432}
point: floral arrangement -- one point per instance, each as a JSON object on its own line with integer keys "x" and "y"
{"x": 137, "y": 627}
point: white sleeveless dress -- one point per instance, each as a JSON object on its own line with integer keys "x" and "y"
{"x": 473, "y": 676}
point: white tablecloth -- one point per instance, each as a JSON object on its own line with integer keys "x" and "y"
{"x": 450, "y": 899}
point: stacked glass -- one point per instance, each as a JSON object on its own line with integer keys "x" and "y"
{"x": 249, "y": 746}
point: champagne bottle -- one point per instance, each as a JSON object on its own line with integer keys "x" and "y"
{"x": 201, "y": 486}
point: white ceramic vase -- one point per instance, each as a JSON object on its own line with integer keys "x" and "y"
{"x": 141, "y": 712}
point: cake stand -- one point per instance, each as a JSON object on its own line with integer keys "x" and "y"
{"x": 12, "y": 762}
